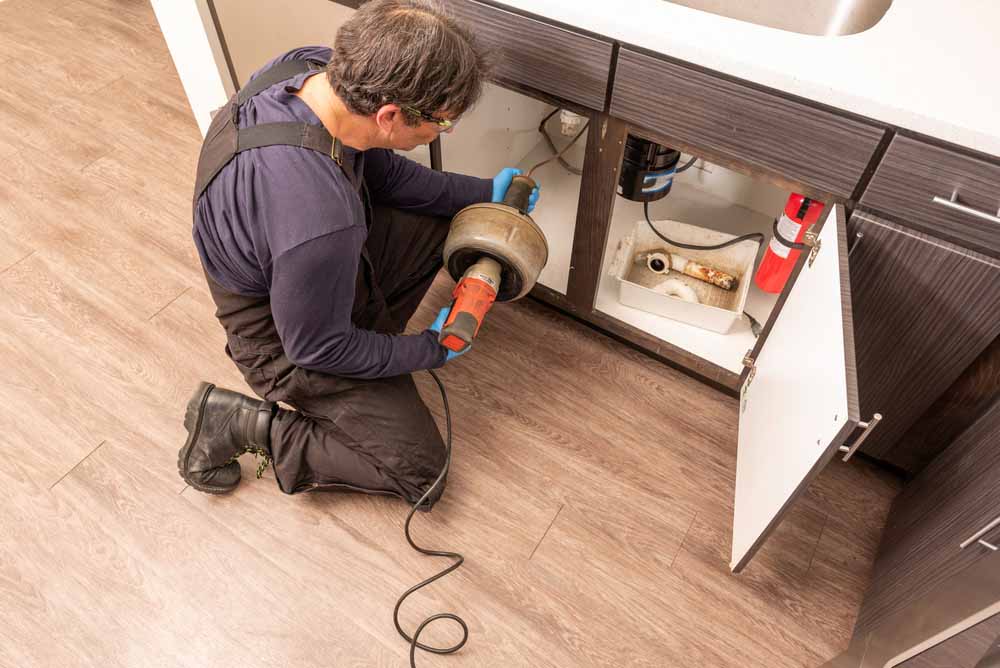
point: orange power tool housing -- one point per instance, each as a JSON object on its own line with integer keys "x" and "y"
{"x": 472, "y": 298}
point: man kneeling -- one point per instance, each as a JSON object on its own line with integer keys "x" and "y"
{"x": 318, "y": 243}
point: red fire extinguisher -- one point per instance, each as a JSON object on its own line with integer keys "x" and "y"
{"x": 776, "y": 267}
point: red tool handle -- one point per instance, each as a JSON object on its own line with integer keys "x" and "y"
{"x": 472, "y": 298}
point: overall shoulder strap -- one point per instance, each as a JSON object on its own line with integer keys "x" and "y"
{"x": 302, "y": 135}
{"x": 275, "y": 74}
{"x": 224, "y": 139}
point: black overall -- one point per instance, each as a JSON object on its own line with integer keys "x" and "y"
{"x": 374, "y": 436}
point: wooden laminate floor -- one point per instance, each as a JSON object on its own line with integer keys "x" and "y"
{"x": 591, "y": 489}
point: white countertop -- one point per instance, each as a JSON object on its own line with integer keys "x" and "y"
{"x": 928, "y": 65}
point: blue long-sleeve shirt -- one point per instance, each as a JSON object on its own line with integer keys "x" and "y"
{"x": 289, "y": 223}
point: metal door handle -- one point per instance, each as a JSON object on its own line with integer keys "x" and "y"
{"x": 953, "y": 203}
{"x": 978, "y": 536}
{"x": 857, "y": 240}
{"x": 868, "y": 427}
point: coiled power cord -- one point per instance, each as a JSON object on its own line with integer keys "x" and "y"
{"x": 458, "y": 558}
{"x": 414, "y": 640}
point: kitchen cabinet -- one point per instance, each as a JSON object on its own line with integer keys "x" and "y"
{"x": 916, "y": 181}
{"x": 919, "y": 640}
{"x": 537, "y": 55}
{"x": 935, "y": 590}
{"x": 795, "y": 143}
{"x": 709, "y": 196}
{"x": 967, "y": 649}
{"x": 992, "y": 657}
{"x": 924, "y": 310}
{"x": 960, "y": 405}
{"x": 777, "y": 460}
{"x": 757, "y": 145}
{"x": 753, "y": 146}
{"x": 936, "y": 526}
{"x": 808, "y": 353}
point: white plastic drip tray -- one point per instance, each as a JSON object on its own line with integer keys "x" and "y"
{"x": 716, "y": 309}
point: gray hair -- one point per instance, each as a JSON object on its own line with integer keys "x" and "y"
{"x": 407, "y": 52}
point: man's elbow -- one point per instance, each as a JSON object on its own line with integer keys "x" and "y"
{"x": 337, "y": 358}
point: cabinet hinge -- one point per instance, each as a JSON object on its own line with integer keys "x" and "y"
{"x": 812, "y": 240}
{"x": 750, "y": 363}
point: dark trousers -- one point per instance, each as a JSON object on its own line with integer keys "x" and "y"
{"x": 374, "y": 436}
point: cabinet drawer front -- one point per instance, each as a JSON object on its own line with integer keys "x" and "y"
{"x": 790, "y": 139}
{"x": 912, "y": 173}
{"x": 541, "y": 56}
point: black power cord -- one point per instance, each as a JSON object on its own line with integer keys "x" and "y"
{"x": 687, "y": 165}
{"x": 753, "y": 236}
{"x": 552, "y": 146}
{"x": 459, "y": 559}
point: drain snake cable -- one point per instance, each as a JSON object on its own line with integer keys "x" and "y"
{"x": 458, "y": 558}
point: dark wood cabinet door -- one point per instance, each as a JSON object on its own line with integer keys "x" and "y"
{"x": 924, "y": 310}
{"x": 992, "y": 657}
{"x": 963, "y": 650}
{"x": 951, "y": 500}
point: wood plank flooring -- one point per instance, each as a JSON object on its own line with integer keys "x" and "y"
{"x": 591, "y": 489}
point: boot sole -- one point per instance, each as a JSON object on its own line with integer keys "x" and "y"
{"x": 192, "y": 422}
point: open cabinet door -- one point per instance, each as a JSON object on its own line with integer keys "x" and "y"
{"x": 800, "y": 401}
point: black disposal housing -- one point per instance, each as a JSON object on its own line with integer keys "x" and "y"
{"x": 647, "y": 170}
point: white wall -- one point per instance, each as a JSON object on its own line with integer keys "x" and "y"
{"x": 183, "y": 23}
{"x": 258, "y": 30}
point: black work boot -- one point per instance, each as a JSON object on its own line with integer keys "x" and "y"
{"x": 222, "y": 425}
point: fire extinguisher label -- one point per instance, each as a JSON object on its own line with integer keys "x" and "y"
{"x": 788, "y": 229}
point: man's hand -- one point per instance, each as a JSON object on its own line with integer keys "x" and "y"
{"x": 436, "y": 326}
{"x": 502, "y": 181}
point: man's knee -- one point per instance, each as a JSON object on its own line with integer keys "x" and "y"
{"x": 418, "y": 465}
{"x": 386, "y": 424}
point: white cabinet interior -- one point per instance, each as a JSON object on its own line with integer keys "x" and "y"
{"x": 502, "y": 131}
{"x": 716, "y": 198}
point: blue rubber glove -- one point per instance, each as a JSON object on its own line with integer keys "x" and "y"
{"x": 502, "y": 181}
{"x": 436, "y": 328}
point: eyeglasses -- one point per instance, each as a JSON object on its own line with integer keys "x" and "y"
{"x": 442, "y": 123}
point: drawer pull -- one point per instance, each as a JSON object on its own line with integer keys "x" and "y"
{"x": 977, "y": 537}
{"x": 868, "y": 427}
{"x": 953, "y": 203}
